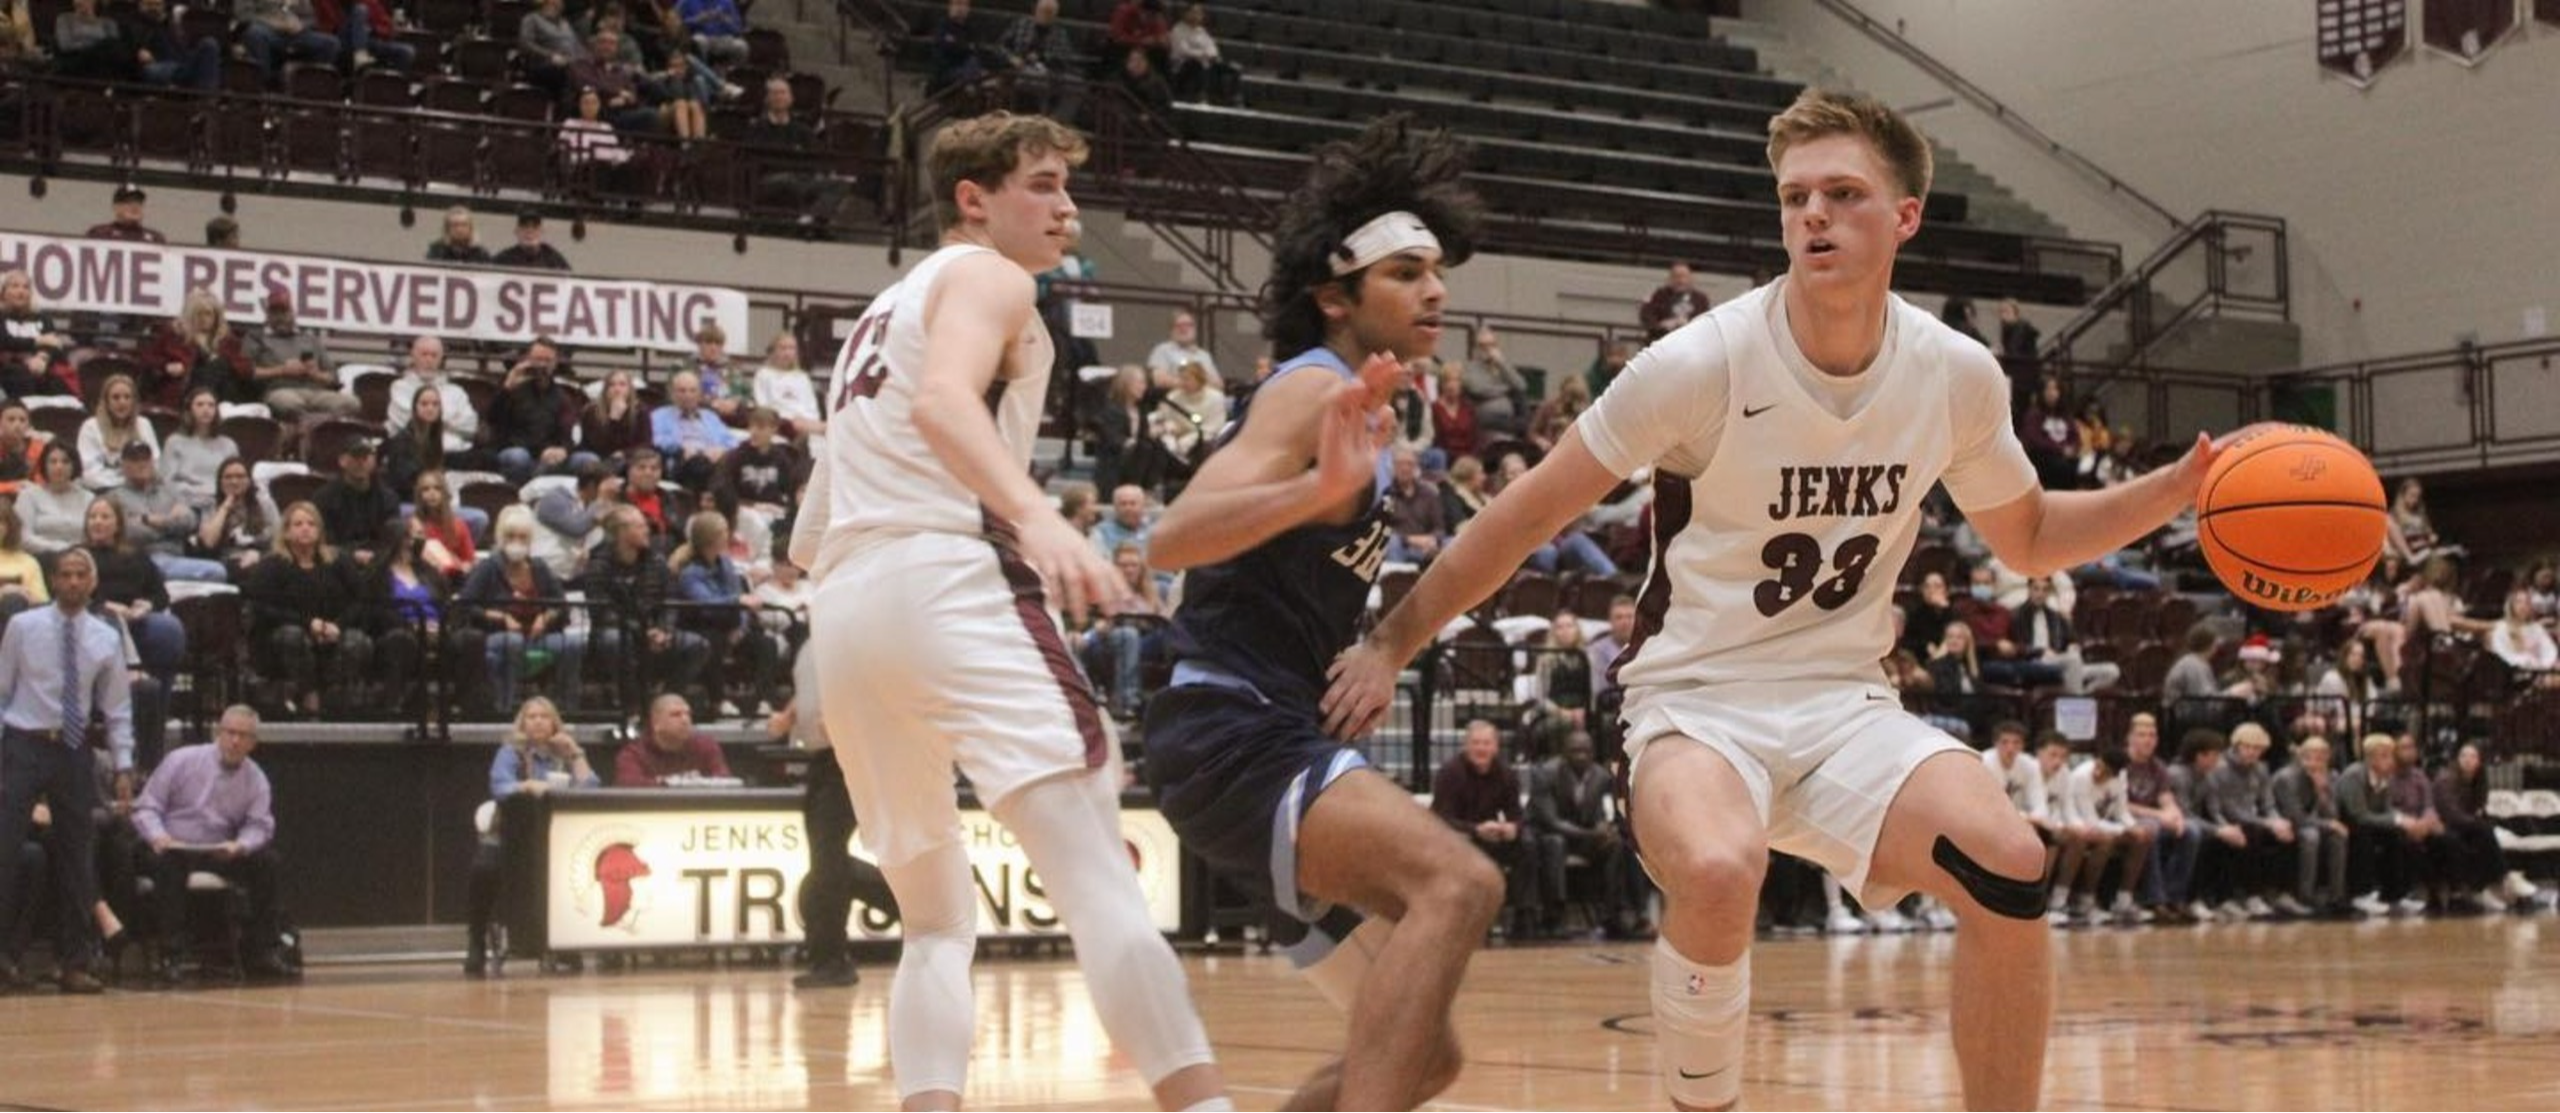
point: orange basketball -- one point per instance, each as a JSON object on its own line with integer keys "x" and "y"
{"x": 2291, "y": 517}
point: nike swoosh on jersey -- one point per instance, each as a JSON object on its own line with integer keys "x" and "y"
{"x": 1876, "y": 698}
{"x": 1749, "y": 412}
{"x": 1684, "y": 1073}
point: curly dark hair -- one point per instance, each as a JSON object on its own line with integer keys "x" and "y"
{"x": 1389, "y": 167}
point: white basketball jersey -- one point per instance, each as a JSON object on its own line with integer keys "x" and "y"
{"x": 1778, "y": 560}
{"x": 882, "y": 476}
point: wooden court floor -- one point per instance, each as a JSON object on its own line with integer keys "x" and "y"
{"x": 2391, "y": 1015}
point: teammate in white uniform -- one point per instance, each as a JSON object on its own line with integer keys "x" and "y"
{"x": 933, "y": 552}
{"x": 1793, "y": 434}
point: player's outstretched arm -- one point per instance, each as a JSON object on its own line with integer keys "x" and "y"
{"x": 1309, "y": 444}
{"x": 1524, "y": 516}
{"x": 2042, "y": 532}
{"x": 982, "y": 304}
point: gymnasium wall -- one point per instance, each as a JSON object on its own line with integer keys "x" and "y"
{"x": 2425, "y": 198}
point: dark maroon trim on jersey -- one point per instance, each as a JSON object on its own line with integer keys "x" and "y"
{"x": 1671, "y": 503}
{"x": 1031, "y": 605}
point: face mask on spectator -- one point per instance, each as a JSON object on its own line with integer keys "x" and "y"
{"x": 517, "y": 550}
{"x": 1982, "y": 591}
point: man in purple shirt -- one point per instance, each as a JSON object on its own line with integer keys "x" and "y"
{"x": 208, "y": 809}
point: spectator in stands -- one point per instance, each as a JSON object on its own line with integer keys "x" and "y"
{"x": 688, "y": 432}
{"x": 715, "y": 592}
{"x": 2004, "y": 661}
{"x": 782, "y": 602}
{"x": 2434, "y": 606}
{"x": 90, "y": 46}
{"x": 2018, "y": 336}
{"x": 195, "y": 349}
{"x": 269, "y": 25}
{"x": 587, "y": 142}
{"x": 2306, "y": 795}
{"x": 439, "y": 534}
{"x": 1476, "y": 793}
{"x": 131, "y": 590}
{"x": 21, "y": 574}
{"x": 516, "y": 599}
{"x": 1929, "y": 617}
{"x": 21, "y": 447}
{"x": 1462, "y": 493}
{"x": 459, "y": 244}
{"x": 1128, "y": 632}
{"x": 299, "y": 600}
{"x": 1604, "y": 651}
{"x": 533, "y": 423}
{"x": 158, "y": 521}
{"x": 1569, "y": 815}
{"x": 1494, "y": 388}
{"x": 290, "y": 365}
{"x": 2097, "y": 444}
{"x": 2191, "y": 677}
{"x": 118, "y": 422}
{"x": 1417, "y": 524}
{"x": 2373, "y": 609}
{"x": 2522, "y": 642}
{"x": 2021, "y": 776}
{"x": 55, "y": 506}
{"x": 1045, "y": 62}
{"x": 1189, "y": 418}
{"x": 2479, "y": 864}
{"x": 724, "y": 392}
{"x": 1559, "y": 412}
{"x": 539, "y": 753}
{"x": 1128, "y": 523}
{"x": 2096, "y": 811}
{"x": 1955, "y": 674}
{"x": 192, "y": 455}
{"x": 1410, "y": 416}
{"x": 546, "y": 45}
{"x": 615, "y": 16}
{"x": 1181, "y": 347}
{"x": 660, "y": 508}
{"x": 680, "y": 95}
{"x": 2052, "y": 438}
{"x": 1562, "y": 678}
{"x": 633, "y": 632}
{"x": 2219, "y": 857}
{"x": 1958, "y": 314}
{"x": 2175, "y": 837}
{"x": 795, "y": 174}
{"x": 784, "y": 387}
{"x": 2412, "y": 536}
{"x": 1078, "y": 504}
{"x": 127, "y": 225}
{"x": 2043, "y": 633}
{"x": 354, "y": 505}
{"x": 1453, "y": 417}
{"x": 530, "y": 251}
{"x": 1140, "y": 26}
{"x": 1120, "y": 432}
{"x": 568, "y": 518}
{"x": 240, "y": 528}
{"x": 615, "y": 422}
{"x": 405, "y": 603}
{"x": 1145, "y": 83}
{"x": 955, "y": 58}
{"x": 1198, "y": 72}
{"x": 719, "y": 32}
{"x": 1607, "y": 365}
{"x": 18, "y": 47}
{"x": 221, "y": 231}
{"x": 2395, "y": 855}
{"x": 1674, "y": 303}
{"x": 671, "y": 748}
{"x": 2344, "y": 696}
{"x": 426, "y": 373}
{"x": 366, "y": 33}
{"x": 209, "y": 808}
{"x": 2542, "y": 587}
{"x": 2237, "y": 793}
{"x": 758, "y": 482}
{"x": 32, "y": 344}
{"x": 424, "y": 445}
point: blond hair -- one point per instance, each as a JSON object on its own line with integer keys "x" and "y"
{"x": 2250, "y": 734}
{"x": 984, "y": 149}
{"x": 1821, "y": 113}
{"x": 2312, "y": 745}
{"x": 2376, "y": 743}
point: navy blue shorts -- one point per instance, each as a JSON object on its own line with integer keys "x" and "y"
{"x": 1234, "y": 774}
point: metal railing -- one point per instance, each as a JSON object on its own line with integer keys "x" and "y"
{"x": 2219, "y": 263}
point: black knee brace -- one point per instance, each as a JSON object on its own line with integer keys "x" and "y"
{"x": 2008, "y": 896}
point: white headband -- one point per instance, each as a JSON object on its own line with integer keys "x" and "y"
{"x": 1388, "y": 235}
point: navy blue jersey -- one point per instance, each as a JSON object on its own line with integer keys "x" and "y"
{"x": 1275, "y": 616}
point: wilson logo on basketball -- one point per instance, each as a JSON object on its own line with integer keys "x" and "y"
{"x": 2309, "y": 469}
{"x": 2283, "y": 597}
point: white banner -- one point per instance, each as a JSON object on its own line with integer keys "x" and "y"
{"x": 345, "y": 295}
{"x": 732, "y": 875}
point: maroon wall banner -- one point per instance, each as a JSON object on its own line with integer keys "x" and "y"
{"x": 345, "y": 295}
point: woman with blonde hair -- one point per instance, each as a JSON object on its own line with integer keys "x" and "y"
{"x": 196, "y": 349}
{"x": 116, "y": 422}
{"x": 615, "y": 422}
{"x": 21, "y": 577}
{"x": 300, "y": 598}
{"x": 783, "y": 386}
{"x": 540, "y": 754}
{"x": 708, "y": 580}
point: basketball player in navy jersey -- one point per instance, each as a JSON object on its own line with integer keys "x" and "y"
{"x": 1793, "y": 432}
{"x": 1282, "y": 534}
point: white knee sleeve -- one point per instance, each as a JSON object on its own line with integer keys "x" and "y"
{"x": 1700, "y": 1013}
{"x": 1070, "y": 828}
{"x": 932, "y": 1012}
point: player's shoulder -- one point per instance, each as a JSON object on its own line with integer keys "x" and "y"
{"x": 1963, "y": 356}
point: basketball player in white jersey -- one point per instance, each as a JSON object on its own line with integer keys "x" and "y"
{"x": 933, "y": 551}
{"x": 1793, "y": 432}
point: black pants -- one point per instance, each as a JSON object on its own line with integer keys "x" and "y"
{"x": 836, "y": 877}
{"x": 1519, "y": 861}
{"x": 293, "y": 656}
{"x": 2262, "y": 867}
{"x": 1598, "y": 855}
{"x": 253, "y": 874}
{"x": 2476, "y": 859}
{"x": 33, "y": 767}
{"x": 2395, "y": 864}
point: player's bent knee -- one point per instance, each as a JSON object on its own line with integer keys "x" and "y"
{"x": 1473, "y": 890}
{"x": 2008, "y": 881}
{"x": 1710, "y": 873}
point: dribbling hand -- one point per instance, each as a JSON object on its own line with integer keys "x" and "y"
{"x": 1363, "y": 683}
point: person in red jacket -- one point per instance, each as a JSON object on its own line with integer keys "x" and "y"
{"x": 1141, "y": 25}
{"x": 669, "y": 749}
